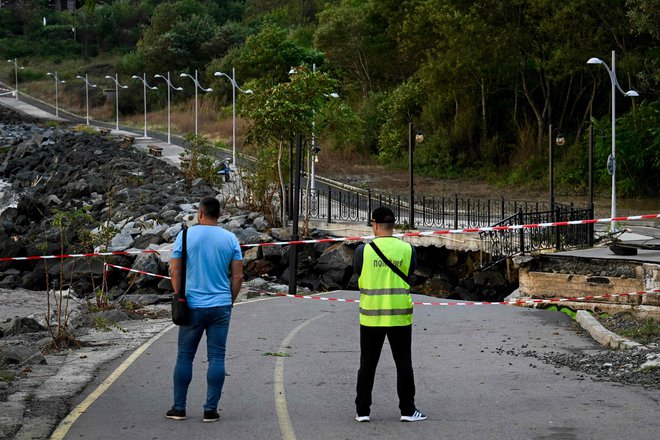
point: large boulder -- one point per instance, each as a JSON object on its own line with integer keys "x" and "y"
{"x": 335, "y": 266}
{"x": 21, "y": 354}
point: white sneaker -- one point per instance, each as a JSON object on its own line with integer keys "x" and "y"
{"x": 362, "y": 419}
{"x": 416, "y": 417}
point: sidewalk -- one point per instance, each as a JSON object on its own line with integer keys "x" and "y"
{"x": 170, "y": 152}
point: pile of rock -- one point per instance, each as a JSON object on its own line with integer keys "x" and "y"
{"x": 80, "y": 192}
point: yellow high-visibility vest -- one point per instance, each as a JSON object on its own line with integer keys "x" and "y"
{"x": 384, "y": 297}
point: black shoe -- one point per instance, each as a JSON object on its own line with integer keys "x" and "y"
{"x": 176, "y": 414}
{"x": 211, "y": 416}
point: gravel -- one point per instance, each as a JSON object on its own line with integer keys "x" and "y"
{"x": 636, "y": 367}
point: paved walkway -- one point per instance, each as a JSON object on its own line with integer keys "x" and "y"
{"x": 292, "y": 365}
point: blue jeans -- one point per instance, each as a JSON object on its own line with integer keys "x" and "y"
{"x": 215, "y": 320}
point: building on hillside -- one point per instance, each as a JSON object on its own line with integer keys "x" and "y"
{"x": 58, "y": 5}
{"x": 63, "y": 5}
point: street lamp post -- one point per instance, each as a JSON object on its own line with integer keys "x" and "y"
{"x": 559, "y": 141}
{"x": 57, "y": 102}
{"x": 169, "y": 87}
{"x": 118, "y": 86}
{"x": 16, "y": 69}
{"x": 234, "y": 86}
{"x": 315, "y": 148}
{"x": 611, "y": 160}
{"x": 146, "y": 86}
{"x": 87, "y": 86}
{"x": 412, "y": 139}
{"x": 197, "y": 86}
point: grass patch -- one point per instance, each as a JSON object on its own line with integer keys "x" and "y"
{"x": 105, "y": 325}
{"x": 647, "y": 329}
{"x": 276, "y": 354}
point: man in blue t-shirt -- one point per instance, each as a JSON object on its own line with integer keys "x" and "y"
{"x": 214, "y": 274}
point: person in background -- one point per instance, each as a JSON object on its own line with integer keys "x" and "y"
{"x": 214, "y": 274}
{"x": 385, "y": 311}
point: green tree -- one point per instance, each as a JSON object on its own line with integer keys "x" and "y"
{"x": 267, "y": 56}
{"x": 276, "y": 115}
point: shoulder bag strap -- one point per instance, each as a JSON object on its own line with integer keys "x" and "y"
{"x": 182, "y": 292}
{"x": 389, "y": 264}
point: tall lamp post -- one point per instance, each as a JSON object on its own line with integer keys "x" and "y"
{"x": 234, "y": 87}
{"x": 611, "y": 160}
{"x": 87, "y": 86}
{"x": 412, "y": 139}
{"x": 169, "y": 119}
{"x": 197, "y": 86}
{"x": 315, "y": 148}
{"x": 16, "y": 69}
{"x": 57, "y": 101}
{"x": 146, "y": 86}
{"x": 118, "y": 86}
{"x": 559, "y": 141}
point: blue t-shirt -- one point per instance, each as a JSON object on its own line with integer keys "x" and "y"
{"x": 211, "y": 250}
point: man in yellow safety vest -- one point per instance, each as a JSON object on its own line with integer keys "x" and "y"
{"x": 384, "y": 267}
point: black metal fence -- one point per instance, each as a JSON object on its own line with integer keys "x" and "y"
{"x": 338, "y": 205}
{"x": 502, "y": 244}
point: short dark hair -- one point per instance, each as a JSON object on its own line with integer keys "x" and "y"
{"x": 383, "y": 215}
{"x": 210, "y": 207}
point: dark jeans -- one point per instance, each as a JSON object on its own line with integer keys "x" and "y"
{"x": 215, "y": 321}
{"x": 371, "y": 344}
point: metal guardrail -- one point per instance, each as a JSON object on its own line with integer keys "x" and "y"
{"x": 337, "y": 205}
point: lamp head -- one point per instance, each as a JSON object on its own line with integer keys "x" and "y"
{"x": 218, "y": 73}
{"x": 178, "y": 88}
{"x": 50, "y": 74}
{"x": 631, "y": 93}
{"x": 124, "y": 87}
{"x": 595, "y": 61}
{"x": 560, "y": 140}
{"x": 135, "y": 77}
{"x": 78, "y": 76}
{"x": 334, "y": 95}
{"x": 109, "y": 77}
{"x": 292, "y": 71}
{"x": 208, "y": 90}
{"x": 248, "y": 92}
{"x": 183, "y": 75}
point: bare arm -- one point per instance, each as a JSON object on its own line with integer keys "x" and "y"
{"x": 236, "y": 268}
{"x": 175, "y": 273}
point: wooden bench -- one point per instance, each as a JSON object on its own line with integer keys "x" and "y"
{"x": 126, "y": 142}
{"x": 155, "y": 150}
{"x": 184, "y": 162}
{"x": 104, "y": 130}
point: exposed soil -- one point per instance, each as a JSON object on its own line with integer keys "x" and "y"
{"x": 365, "y": 172}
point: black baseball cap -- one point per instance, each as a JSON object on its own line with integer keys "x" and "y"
{"x": 382, "y": 215}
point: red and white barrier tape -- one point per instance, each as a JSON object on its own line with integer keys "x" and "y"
{"x": 91, "y": 254}
{"x": 438, "y": 303}
{"x": 482, "y": 303}
{"x": 368, "y": 237}
{"x": 128, "y": 269}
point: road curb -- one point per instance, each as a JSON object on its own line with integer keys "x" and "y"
{"x": 602, "y": 335}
